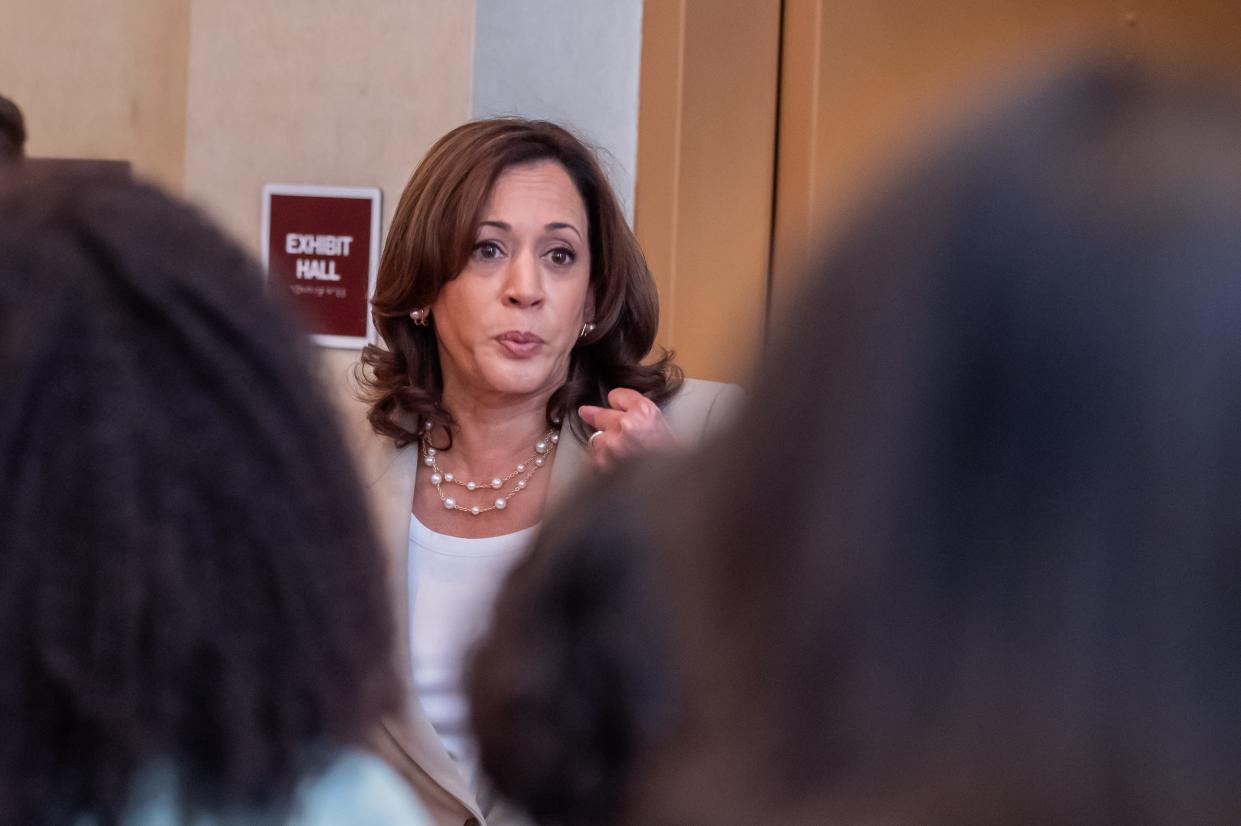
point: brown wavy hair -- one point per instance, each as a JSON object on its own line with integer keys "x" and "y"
{"x": 429, "y": 243}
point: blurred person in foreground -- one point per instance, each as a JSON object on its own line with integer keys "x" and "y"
{"x": 193, "y": 615}
{"x": 974, "y": 558}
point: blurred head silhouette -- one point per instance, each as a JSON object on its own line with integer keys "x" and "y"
{"x": 976, "y": 556}
{"x": 186, "y": 569}
{"x": 12, "y": 133}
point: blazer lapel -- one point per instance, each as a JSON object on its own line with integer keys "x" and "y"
{"x": 570, "y": 463}
{"x": 392, "y": 492}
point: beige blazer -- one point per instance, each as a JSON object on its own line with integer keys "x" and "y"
{"x": 411, "y": 744}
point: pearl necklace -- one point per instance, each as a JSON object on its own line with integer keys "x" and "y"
{"x": 543, "y": 450}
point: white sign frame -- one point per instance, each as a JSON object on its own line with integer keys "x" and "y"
{"x": 371, "y": 193}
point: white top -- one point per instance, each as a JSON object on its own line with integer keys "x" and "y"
{"x": 453, "y": 584}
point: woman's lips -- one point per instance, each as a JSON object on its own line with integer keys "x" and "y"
{"x": 520, "y": 344}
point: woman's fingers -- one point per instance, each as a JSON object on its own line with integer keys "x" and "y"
{"x": 622, "y": 398}
{"x": 630, "y": 424}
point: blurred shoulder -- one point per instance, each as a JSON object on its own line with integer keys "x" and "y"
{"x": 700, "y": 408}
{"x": 356, "y": 787}
{"x": 361, "y": 789}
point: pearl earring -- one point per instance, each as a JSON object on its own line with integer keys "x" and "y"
{"x": 587, "y": 329}
{"x": 420, "y": 316}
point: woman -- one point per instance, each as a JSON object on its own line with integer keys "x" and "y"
{"x": 193, "y": 616}
{"x": 515, "y": 308}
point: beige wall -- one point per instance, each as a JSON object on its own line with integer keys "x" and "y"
{"x": 100, "y": 79}
{"x": 214, "y": 98}
{"x": 319, "y": 92}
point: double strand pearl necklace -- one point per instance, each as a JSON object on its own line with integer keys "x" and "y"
{"x": 523, "y": 473}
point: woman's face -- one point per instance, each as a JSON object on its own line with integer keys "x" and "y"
{"x": 506, "y": 324}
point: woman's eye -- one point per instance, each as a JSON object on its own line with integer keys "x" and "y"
{"x": 487, "y": 250}
{"x": 562, "y": 256}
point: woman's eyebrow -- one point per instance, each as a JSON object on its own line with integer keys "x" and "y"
{"x": 507, "y": 227}
{"x": 557, "y": 225}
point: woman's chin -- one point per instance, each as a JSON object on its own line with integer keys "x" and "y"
{"x": 522, "y": 379}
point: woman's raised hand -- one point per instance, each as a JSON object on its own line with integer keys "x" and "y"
{"x": 631, "y": 423}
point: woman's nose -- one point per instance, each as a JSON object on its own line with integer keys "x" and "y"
{"x": 523, "y": 286}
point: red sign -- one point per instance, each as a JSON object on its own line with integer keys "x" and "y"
{"x": 321, "y": 248}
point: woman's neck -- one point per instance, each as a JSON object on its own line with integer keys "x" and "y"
{"x": 492, "y": 435}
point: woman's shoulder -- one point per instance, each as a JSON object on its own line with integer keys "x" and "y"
{"x": 356, "y": 788}
{"x": 700, "y": 407}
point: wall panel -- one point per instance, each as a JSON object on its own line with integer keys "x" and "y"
{"x": 864, "y": 83}
{"x": 317, "y": 91}
{"x": 100, "y": 79}
{"x": 706, "y": 154}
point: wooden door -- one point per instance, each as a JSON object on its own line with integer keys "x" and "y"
{"x": 864, "y": 83}
{"x": 762, "y": 121}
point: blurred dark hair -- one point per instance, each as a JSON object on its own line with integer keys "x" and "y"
{"x": 574, "y": 681}
{"x": 187, "y": 571}
{"x": 972, "y": 557}
{"x": 12, "y": 131}
{"x": 433, "y": 230}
